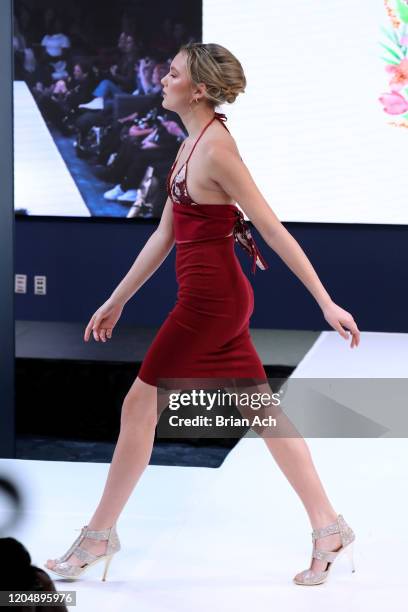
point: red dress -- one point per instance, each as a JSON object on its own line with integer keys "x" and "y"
{"x": 206, "y": 334}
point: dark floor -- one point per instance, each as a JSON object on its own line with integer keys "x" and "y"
{"x": 83, "y": 425}
{"x": 164, "y": 453}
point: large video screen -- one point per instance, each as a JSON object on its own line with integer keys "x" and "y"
{"x": 320, "y": 126}
{"x": 91, "y": 136}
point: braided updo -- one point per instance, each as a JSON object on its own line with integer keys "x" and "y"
{"x": 217, "y": 68}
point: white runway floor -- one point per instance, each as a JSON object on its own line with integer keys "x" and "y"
{"x": 231, "y": 539}
{"x": 42, "y": 182}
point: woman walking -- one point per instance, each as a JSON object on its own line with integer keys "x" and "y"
{"x": 206, "y": 335}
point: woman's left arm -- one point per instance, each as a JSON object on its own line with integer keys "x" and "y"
{"x": 226, "y": 168}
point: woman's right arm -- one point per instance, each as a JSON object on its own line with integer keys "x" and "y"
{"x": 150, "y": 258}
{"x": 146, "y": 263}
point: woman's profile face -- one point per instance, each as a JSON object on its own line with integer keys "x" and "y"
{"x": 177, "y": 86}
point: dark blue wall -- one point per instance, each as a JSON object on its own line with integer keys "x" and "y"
{"x": 363, "y": 267}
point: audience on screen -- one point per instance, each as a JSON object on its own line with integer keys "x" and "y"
{"x": 59, "y": 102}
{"x": 75, "y": 80}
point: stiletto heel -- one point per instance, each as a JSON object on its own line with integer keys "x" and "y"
{"x": 349, "y": 550}
{"x": 309, "y": 577}
{"x": 107, "y": 563}
{"x": 69, "y": 570}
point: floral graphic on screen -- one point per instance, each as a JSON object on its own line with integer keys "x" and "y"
{"x": 395, "y": 56}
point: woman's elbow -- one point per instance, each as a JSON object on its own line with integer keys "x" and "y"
{"x": 167, "y": 236}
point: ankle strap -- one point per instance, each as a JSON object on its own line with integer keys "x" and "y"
{"x": 103, "y": 534}
{"x": 327, "y": 530}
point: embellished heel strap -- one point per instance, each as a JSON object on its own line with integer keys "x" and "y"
{"x": 103, "y": 534}
{"x": 346, "y": 532}
{"x": 320, "y": 532}
{"x": 347, "y": 535}
{"x": 339, "y": 526}
{"x": 325, "y": 555}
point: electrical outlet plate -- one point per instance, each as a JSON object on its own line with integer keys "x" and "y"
{"x": 20, "y": 283}
{"x": 40, "y": 285}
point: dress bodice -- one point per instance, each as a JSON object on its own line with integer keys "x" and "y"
{"x": 196, "y": 222}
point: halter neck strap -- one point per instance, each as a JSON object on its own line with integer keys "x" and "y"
{"x": 219, "y": 116}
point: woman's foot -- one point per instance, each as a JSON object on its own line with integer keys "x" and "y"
{"x": 328, "y": 542}
{"x": 329, "y": 536}
{"x": 96, "y": 547}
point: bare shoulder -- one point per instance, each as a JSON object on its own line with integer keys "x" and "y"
{"x": 221, "y": 149}
{"x": 222, "y": 139}
{"x": 226, "y": 168}
{"x": 221, "y": 144}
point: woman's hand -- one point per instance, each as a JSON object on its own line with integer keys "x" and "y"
{"x": 103, "y": 321}
{"x": 336, "y": 317}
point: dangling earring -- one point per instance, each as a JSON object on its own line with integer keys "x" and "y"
{"x": 195, "y": 100}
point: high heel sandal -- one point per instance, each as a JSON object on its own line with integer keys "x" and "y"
{"x": 68, "y": 570}
{"x": 309, "y": 577}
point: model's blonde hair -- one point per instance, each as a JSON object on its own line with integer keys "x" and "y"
{"x": 217, "y": 68}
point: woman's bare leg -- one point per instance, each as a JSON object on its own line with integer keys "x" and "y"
{"x": 294, "y": 459}
{"x": 292, "y": 454}
{"x": 133, "y": 451}
{"x": 130, "y": 458}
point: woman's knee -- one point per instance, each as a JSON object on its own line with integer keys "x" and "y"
{"x": 135, "y": 411}
{"x": 140, "y": 403}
